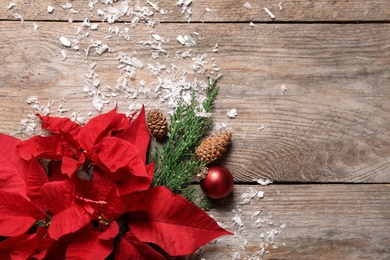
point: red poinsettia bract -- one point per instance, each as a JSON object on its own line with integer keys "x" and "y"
{"x": 84, "y": 193}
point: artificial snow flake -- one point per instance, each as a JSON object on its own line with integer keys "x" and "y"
{"x": 50, "y": 9}
{"x": 248, "y": 196}
{"x": 63, "y": 53}
{"x": 10, "y": 6}
{"x": 35, "y": 26}
{"x": 260, "y": 194}
{"x": 237, "y": 220}
{"x": 32, "y": 99}
{"x": 18, "y": 16}
{"x": 248, "y": 5}
{"x": 269, "y": 13}
{"x": 263, "y": 181}
{"x": 280, "y": 6}
{"x": 255, "y": 214}
{"x": 156, "y": 37}
{"x": 186, "y": 40}
{"x": 283, "y": 89}
{"x": 215, "y": 50}
{"x": 236, "y": 256}
{"x": 67, "y": 6}
{"x": 64, "y": 41}
{"x": 232, "y": 113}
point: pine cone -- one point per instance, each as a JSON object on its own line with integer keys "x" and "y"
{"x": 157, "y": 124}
{"x": 213, "y": 147}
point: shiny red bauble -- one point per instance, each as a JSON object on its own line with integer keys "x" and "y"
{"x": 218, "y": 182}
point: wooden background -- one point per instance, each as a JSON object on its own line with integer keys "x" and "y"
{"x": 311, "y": 89}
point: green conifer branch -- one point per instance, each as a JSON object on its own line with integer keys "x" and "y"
{"x": 176, "y": 164}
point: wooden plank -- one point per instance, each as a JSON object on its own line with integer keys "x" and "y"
{"x": 209, "y": 11}
{"x": 304, "y": 222}
{"x": 330, "y": 125}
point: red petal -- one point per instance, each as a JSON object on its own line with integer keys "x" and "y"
{"x": 58, "y": 195}
{"x": 50, "y": 147}
{"x": 34, "y": 244}
{"x": 98, "y": 189}
{"x": 54, "y": 252}
{"x": 59, "y": 125}
{"x": 114, "y": 153}
{"x": 36, "y": 178}
{"x": 15, "y": 217}
{"x": 14, "y": 169}
{"x": 70, "y": 165}
{"x": 89, "y": 246}
{"x": 131, "y": 248}
{"x": 132, "y": 183}
{"x": 69, "y": 221}
{"x": 8, "y": 245}
{"x": 170, "y": 215}
{"x": 117, "y": 206}
{"x": 137, "y": 133}
{"x": 111, "y": 232}
{"x": 101, "y": 126}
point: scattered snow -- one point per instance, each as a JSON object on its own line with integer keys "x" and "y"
{"x": 63, "y": 54}
{"x": 64, "y": 41}
{"x": 283, "y": 89}
{"x": 269, "y": 13}
{"x": 248, "y": 5}
{"x": 50, "y": 9}
{"x": 263, "y": 181}
{"x": 18, "y": 16}
{"x": 260, "y": 194}
{"x": 10, "y": 6}
{"x": 236, "y": 256}
{"x": 215, "y": 50}
{"x": 232, "y": 113}
{"x": 248, "y": 196}
{"x": 237, "y": 220}
{"x": 280, "y": 6}
{"x": 186, "y": 40}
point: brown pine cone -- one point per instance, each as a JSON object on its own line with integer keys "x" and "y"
{"x": 157, "y": 124}
{"x": 213, "y": 147}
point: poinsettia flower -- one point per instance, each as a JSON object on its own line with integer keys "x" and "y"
{"x": 109, "y": 141}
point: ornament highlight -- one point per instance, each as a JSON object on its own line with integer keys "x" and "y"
{"x": 218, "y": 183}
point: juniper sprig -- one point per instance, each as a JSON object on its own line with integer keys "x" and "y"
{"x": 175, "y": 161}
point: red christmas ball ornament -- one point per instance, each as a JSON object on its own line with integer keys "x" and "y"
{"x": 218, "y": 182}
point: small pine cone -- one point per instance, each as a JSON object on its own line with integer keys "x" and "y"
{"x": 213, "y": 147}
{"x": 157, "y": 124}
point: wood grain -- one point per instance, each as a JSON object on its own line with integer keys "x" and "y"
{"x": 308, "y": 222}
{"x": 311, "y": 94}
{"x": 211, "y": 11}
{"x": 330, "y": 125}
